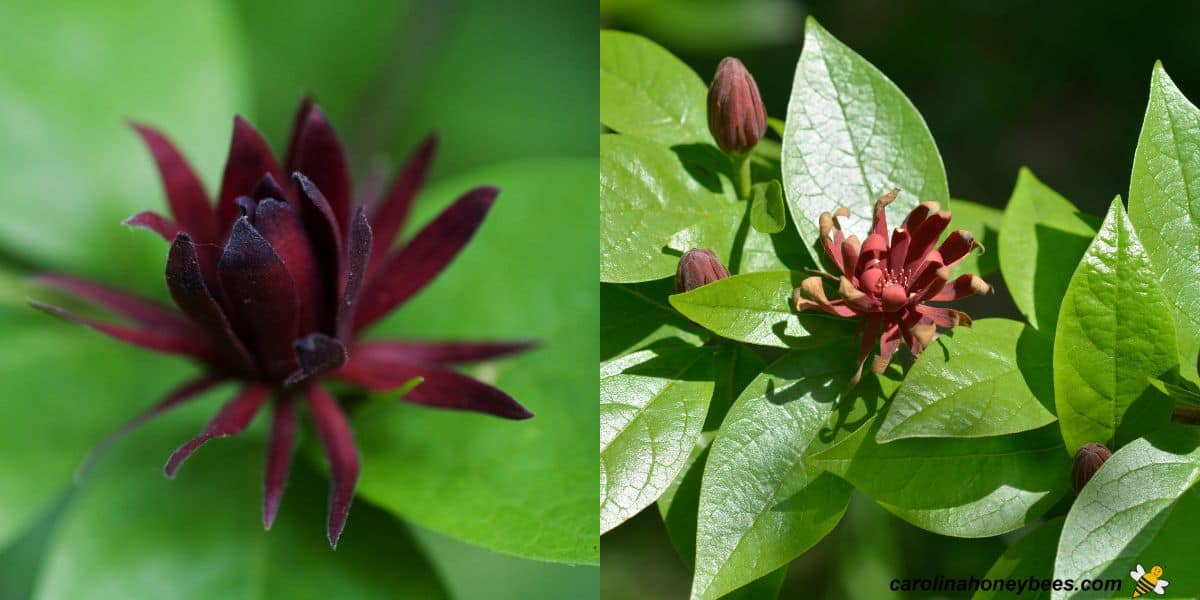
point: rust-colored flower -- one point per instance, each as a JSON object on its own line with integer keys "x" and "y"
{"x": 887, "y": 281}
{"x": 274, "y": 285}
{"x": 1088, "y": 460}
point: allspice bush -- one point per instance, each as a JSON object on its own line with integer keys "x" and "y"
{"x": 782, "y": 330}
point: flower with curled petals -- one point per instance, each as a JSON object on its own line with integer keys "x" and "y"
{"x": 275, "y": 283}
{"x": 887, "y": 280}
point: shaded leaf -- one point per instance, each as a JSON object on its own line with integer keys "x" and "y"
{"x": 767, "y": 211}
{"x": 633, "y": 315}
{"x": 984, "y": 222}
{"x": 1030, "y": 558}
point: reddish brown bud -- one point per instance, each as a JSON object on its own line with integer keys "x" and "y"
{"x": 736, "y": 115}
{"x": 1087, "y": 461}
{"x": 697, "y": 267}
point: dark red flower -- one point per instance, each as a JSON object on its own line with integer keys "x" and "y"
{"x": 274, "y": 285}
{"x": 886, "y": 283}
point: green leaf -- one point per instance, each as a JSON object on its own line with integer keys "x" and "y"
{"x": 1031, "y": 558}
{"x": 984, "y": 222}
{"x": 1041, "y": 240}
{"x": 647, "y": 92}
{"x": 73, "y": 74}
{"x": 1141, "y": 507}
{"x": 130, "y": 532}
{"x": 1164, "y": 205}
{"x": 64, "y": 388}
{"x": 990, "y": 379}
{"x": 652, "y": 407}
{"x": 755, "y": 308}
{"x": 679, "y": 504}
{"x": 652, "y": 210}
{"x": 525, "y": 488}
{"x": 637, "y": 314}
{"x": 760, "y": 505}
{"x": 1000, "y": 483}
{"x": 1176, "y": 392}
{"x": 767, "y": 212}
{"x": 1114, "y": 332}
{"x": 851, "y": 137}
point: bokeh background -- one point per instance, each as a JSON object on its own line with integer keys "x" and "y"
{"x": 511, "y": 89}
{"x": 1060, "y": 87}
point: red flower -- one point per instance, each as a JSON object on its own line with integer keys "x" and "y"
{"x": 887, "y": 284}
{"x": 275, "y": 284}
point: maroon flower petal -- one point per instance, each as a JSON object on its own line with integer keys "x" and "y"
{"x": 191, "y": 294}
{"x": 944, "y": 317}
{"x": 889, "y": 343}
{"x": 342, "y": 455}
{"x": 440, "y": 388}
{"x": 176, "y": 397}
{"x": 281, "y": 226}
{"x": 898, "y": 254}
{"x": 390, "y": 216}
{"x": 358, "y": 255}
{"x": 155, "y": 222}
{"x": 188, "y": 341}
{"x": 925, "y": 236}
{"x": 316, "y": 353}
{"x": 265, "y": 310}
{"x": 436, "y": 353}
{"x": 323, "y": 228}
{"x": 249, "y": 159}
{"x": 957, "y": 246}
{"x": 185, "y": 193}
{"x": 144, "y": 312}
{"x": 232, "y": 419}
{"x": 319, "y": 155}
{"x": 267, "y": 187}
{"x": 279, "y": 457}
{"x": 961, "y": 287}
{"x": 872, "y": 327}
{"x": 301, "y": 116}
{"x": 410, "y": 269}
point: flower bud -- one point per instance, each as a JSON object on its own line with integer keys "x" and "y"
{"x": 1087, "y": 461}
{"x": 736, "y": 115}
{"x": 697, "y": 267}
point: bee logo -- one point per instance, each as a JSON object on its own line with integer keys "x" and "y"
{"x": 1148, "y": 581}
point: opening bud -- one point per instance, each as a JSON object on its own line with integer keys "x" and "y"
{"x": 736, "y": 115}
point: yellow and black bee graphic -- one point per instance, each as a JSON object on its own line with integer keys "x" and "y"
{"x": 1148, "y": 581}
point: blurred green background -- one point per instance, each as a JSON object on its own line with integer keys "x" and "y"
{"x": 511, "y": 89}
{"x": 1058, "y": 86}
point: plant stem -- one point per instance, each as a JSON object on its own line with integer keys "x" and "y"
{"x": 1186, "y": 413}
{"x": 741, "y": 176}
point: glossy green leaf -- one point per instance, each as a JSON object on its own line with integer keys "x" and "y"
{"x": 1001, "y": 483}
{"x": 851, "y": 137}
{"x": 756, "y": 308}
{"x": 652, "y": 210}
{"x": 1164, "y": 205}
{"x": 62, "y": 389}
{"x": 634, "y": 315}
{"x": 767, "y": 211}
{"x": 984, "y": 222}
{"x": 1114, "y": 332}
{"x": 652, "y": 407}
{"x": 526, "y": 488}
{"x": 647, "y": 92}
{"x": 130, "y": 532}
{"x": 760, "y": 504}
{"x": 73, "y": 74}
{"x": 1141, "y": 507}
{"x": 990, "y": 379}
{"x": 1041, "y": 240}
{"x": 1030, "y": 558}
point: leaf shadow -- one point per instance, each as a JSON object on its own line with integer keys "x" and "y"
{"x": 705, "y": 163}
{"x": 1058, "y": 254}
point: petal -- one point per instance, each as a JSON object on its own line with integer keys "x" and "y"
{"x": 318, "y": 154}
{"x": 249, "y": 159}
{"x": 279, "y": 457}
{"x": 144, "y": 312}
{"x": 358, "y": 255}
{"x": 316, "y": 353}
{"x": 391, "y": 214}
{"x": 185, "y": 193}
{"x": 261, "y": 299}
{"x": 155, "y": 222}
{"x": 870, "y": 328}
{"x": 944, "y": 317}
{"x": 957, "y": 246}
{"x": 879, "y": 224}
{"x": 961, "y": 287}
{"x": 338, "y": 442}
{"x": 436, "y": 353}
{"x": 925, "y": 236}
{"x": 919, "y": 214}
{"x": 323, "y": 229}
{"x": 188, "y": 343}
{"x": 281, "y": 226}
{"x": 191, "y": 294}
{"x": 898, "y": 253}
{"x": 268, "y": 187}
{"x": 408, "y": 270}
{"x": 176, "y": 397}
{"x": 440, "y": 388}
{"x": 889, "y": 343}
{"x": 232, "y": 419}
